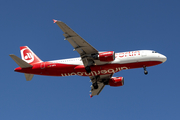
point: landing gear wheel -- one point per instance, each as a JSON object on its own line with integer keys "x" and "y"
{"x": 95, "y": 85}
{"x": 145, "y": 72}
{"x": 88, "y": 69}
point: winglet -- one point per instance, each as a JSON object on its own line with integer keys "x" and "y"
{"x": 54, "y": 20}
{"x": 91, "y": 96}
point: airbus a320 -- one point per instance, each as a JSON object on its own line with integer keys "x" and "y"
{"x": 98, "y": 66}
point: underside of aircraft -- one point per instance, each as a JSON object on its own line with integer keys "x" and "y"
{"x": 98, "y": 66}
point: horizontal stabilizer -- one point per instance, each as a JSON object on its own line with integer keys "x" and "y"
{"x": 28, "y": 76}
{"x": 20, "y": 62}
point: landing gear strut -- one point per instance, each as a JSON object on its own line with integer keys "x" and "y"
{"x": 95, "y": 85}
{"x": 145, "y": 71}
{"x": 95, "y": 80}
{"x": 88, "y": 69}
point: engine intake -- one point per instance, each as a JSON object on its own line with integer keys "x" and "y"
{"x": 107, "y": 56}
{"x": 116, "y": 81}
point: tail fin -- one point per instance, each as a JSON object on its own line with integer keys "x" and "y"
{"x": 28, "y": 55}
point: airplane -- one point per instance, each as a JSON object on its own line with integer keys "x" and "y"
{"x": 98, "y": 66}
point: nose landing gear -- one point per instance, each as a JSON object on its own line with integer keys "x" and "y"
{"x": 145, "y": 71}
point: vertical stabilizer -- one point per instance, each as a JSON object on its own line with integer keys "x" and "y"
{"x": 28, "y": 55}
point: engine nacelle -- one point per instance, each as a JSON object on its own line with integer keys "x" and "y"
{"x": 116, "y": 81}
{"x": 107, "y": 56}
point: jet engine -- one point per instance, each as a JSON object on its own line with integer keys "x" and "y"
{"x": 107, "y": 56}
{"x": 116, "y": 81}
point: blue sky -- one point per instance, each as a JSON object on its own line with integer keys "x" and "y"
{"x": 121, "y": 25}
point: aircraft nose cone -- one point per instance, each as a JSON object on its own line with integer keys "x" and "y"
{"x": 163, "y": 58}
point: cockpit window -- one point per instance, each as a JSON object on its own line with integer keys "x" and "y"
{"x": 154, "y": 52}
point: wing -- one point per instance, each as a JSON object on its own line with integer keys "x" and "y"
{"x": 97, "y": 91}
{"x": 79, "y": 44}
{"x": 101, "y": 81}
{"x": 85, "y": 50}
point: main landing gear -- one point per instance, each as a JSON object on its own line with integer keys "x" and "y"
{"x": 88, "y": 69}
{"x": 145, "y": 71}
{"x": 95, "y": 85}
{"x": 89, "y": 63}
{"x": 94, "y": 81}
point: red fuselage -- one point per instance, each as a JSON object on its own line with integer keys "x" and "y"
{"x": 57, "y": 69}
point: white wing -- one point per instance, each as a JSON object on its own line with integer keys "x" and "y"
{"x": 84, "y": 49}
{"x": 79, "y": 44}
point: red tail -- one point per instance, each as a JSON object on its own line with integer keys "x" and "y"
{"x": 28, "y": 55}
